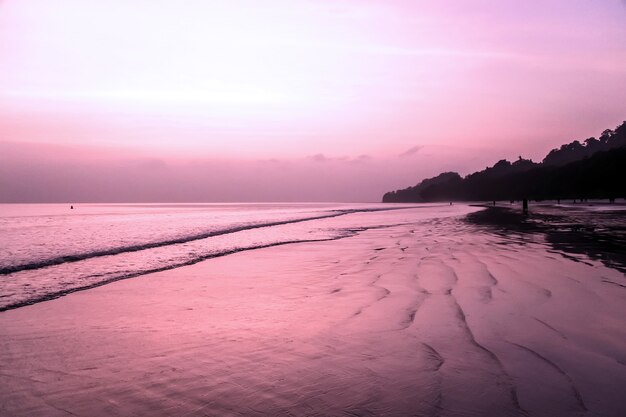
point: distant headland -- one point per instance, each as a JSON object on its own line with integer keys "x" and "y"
{"x": 595, "y": 168}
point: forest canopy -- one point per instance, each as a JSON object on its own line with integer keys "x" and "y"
{"x": 594, "y": 168}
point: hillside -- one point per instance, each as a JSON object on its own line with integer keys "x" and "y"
{"x": 593, "y": 169}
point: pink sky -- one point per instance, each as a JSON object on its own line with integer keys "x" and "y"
{"x": 293, "y": 100}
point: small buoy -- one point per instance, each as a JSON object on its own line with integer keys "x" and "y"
{"x": 71, "y": 207}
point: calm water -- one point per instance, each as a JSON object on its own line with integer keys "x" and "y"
{"x": 47, "y": 250}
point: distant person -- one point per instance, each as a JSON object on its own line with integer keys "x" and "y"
{"x": 71, "y": 207}
{"x": 525, "y": 206}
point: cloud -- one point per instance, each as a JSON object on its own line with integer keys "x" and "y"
{"x": 411, "y": 151}
{"x": 49, "y": 173}
{"x": 319, "y": 158}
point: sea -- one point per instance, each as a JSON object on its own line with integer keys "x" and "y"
{"x": 49, "y": 250}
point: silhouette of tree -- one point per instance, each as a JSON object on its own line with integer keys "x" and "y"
{"x": 595, "y": 169}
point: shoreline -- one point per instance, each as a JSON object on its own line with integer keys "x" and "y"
{"x": 598, "y": 235}
{"x": 425, "y": 318}
{"x": 54, "y": 296}
{"x": 25, "y": 287}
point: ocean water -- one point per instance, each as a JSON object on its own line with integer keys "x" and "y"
{"x": 47, "y": 250}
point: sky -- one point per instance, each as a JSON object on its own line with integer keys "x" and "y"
{"x": 293, "y": 100}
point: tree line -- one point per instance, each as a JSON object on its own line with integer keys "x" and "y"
{"x": 595, "y": 168}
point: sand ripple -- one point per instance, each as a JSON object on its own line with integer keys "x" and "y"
{"x": 427, "y": 319}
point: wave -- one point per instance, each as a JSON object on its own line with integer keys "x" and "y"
{"x": 6, "y": 270}
{"x": 63, "y": 292}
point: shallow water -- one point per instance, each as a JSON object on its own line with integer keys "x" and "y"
{"x": 47, "y": 250}
{"x": 578, "y": 231}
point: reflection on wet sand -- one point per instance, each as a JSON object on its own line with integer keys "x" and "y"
{"x": 434, "y": 317}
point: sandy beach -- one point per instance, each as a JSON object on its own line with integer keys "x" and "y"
{"x": 431, "y": 318}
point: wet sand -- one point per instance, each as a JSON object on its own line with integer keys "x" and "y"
{"x": 435, "y": 318}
